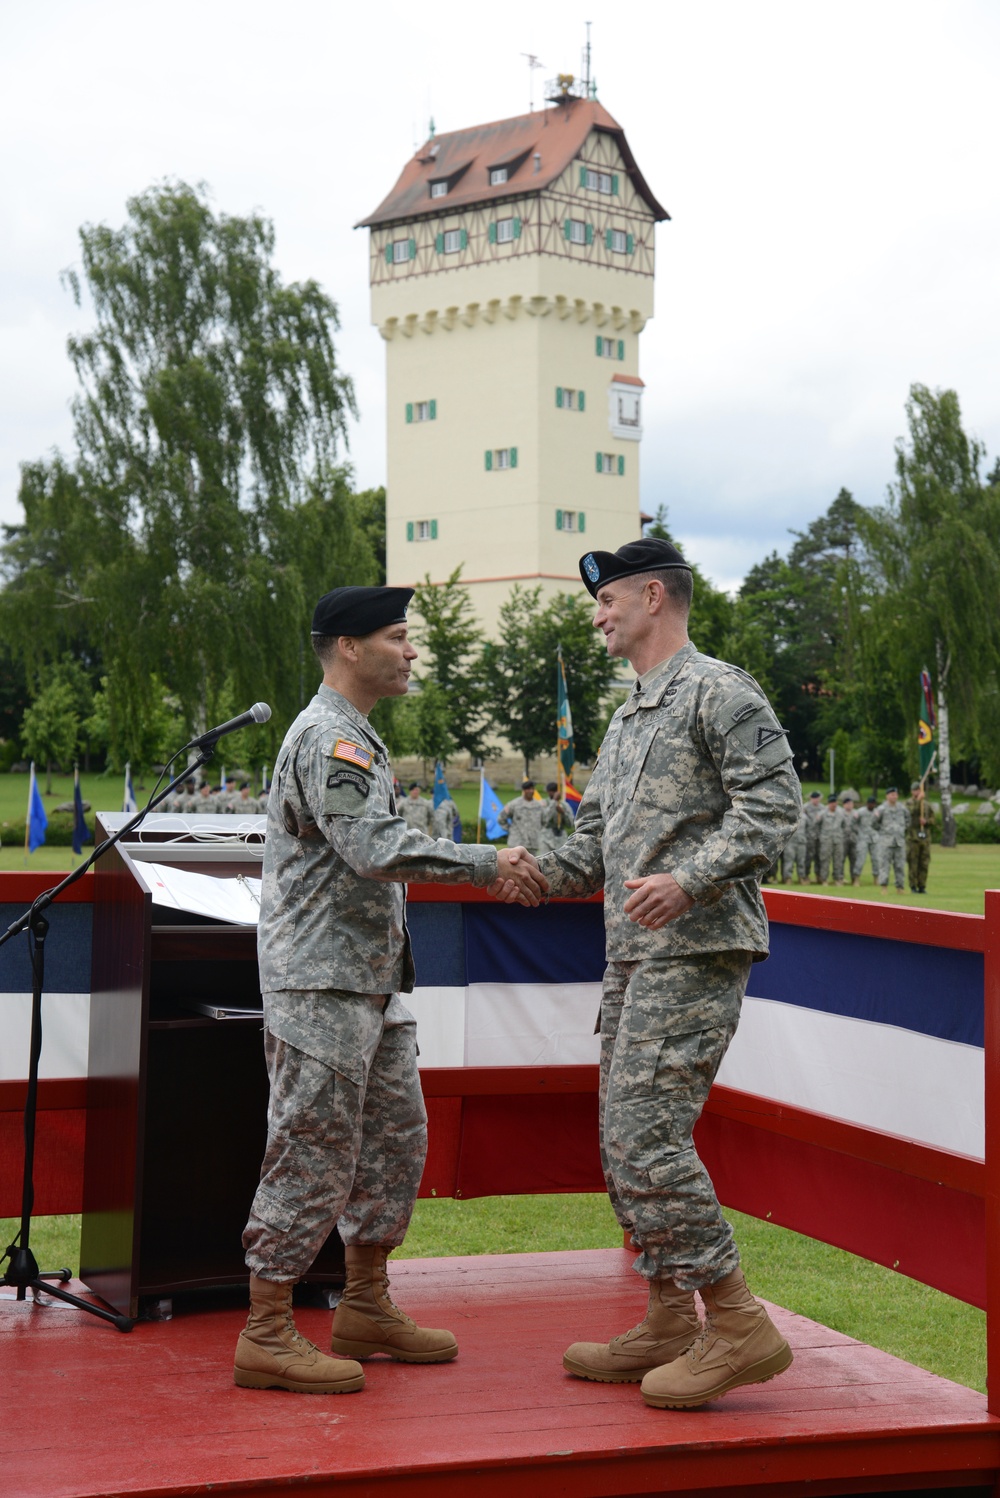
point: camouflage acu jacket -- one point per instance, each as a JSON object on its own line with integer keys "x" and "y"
{"x": 336, "y": 856}
{"x": 694, "y": 779}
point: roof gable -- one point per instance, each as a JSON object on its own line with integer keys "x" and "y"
{"x": 536, "y": 149}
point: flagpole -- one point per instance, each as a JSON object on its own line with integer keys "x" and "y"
{"x": 479, "y": 817}
{"x": 27, "y": 820}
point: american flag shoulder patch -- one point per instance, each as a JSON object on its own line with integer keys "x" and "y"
{"x": 353, "y": 753}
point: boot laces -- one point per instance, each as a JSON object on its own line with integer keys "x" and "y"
{"x": 389, "y": 1300}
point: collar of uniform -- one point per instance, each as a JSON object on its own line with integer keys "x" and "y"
{"x": 337, "y": 700}
{"x": 651, "y": 686}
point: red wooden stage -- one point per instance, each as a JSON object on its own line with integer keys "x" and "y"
{"x": 88, "y": 1411}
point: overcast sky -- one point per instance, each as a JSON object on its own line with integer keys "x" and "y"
{"x": 830, "y": 171}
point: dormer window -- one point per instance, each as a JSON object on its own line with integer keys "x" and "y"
{"x": 498, "y": 175}
{"x": 439, "y": 189}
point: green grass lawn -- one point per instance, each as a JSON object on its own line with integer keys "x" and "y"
{"x": 861, "y": 1300}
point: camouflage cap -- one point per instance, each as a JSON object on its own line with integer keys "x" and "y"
{"x": 647, "y": 555}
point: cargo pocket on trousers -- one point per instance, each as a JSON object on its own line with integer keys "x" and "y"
{"x": 675, "y": 1169}
{"x": 274, "y": 1209}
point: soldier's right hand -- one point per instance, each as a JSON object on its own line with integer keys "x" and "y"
{"x": 518, "y": 878}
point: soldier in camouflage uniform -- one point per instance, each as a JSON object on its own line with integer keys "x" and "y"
{"x": 864, "y": 842}
{"x": 522, "y": 818}
{"x": 890, "y": 823}
{"x": 692, "y": 799}
{"x": 814, "y": 810}
{"x": 918, "y": 838}
{"x": 795, "y": 856}
{"x": 417, "y": 811}
{"x": 445, "y": 819}
{"x": 830, "y": 832}
{"x": 843, "y": 870}
{"x": 557, "y": 819}
{"x": 347, "y": 1128}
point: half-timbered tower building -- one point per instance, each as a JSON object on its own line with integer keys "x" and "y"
{"x": 512, "y": 274}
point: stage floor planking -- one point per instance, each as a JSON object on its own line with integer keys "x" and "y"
{"x": 88, "y": 1410}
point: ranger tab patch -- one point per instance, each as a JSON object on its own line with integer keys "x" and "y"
{"x": 353, "y": 753}
{"x": 745, "y": 711}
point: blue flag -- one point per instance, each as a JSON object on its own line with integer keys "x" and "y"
{"x": 490, "y": 809}
{"x": 37, "y": 820}
{"x": 440, "y": 784}
{"x": 81, "y": 833}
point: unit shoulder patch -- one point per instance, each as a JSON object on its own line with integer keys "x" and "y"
{"x": 766, "y": 735}
{"x": 354, "y": 754}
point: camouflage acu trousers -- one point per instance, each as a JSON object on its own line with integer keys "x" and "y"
{"x": 665, "y": 1027}
{"x": 346, "y": 1128}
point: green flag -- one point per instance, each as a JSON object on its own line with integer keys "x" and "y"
{"x": 564, "y": 718}
{"x": 927, "y": 730}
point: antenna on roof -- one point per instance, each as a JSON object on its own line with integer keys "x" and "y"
{"x": 533, "y": 63}
{"x": 586, "y": 66}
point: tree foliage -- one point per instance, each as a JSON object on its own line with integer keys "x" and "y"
{"x": 449, "y": 669}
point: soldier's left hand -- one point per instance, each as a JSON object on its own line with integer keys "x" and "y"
{"x": 657, "y": 900}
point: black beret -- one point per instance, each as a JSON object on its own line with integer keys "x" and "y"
{"x": 831, "y": 798}
{"x": 527, "y": 784}
{"x": 890, "y": 788}
{"x": 359, "y": 611}
{"x": 648, "y": 555}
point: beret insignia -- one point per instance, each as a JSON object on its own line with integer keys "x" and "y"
{"x": 590, "y": 567}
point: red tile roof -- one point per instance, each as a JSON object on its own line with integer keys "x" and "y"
{"x": 536, "y": 147}
{"x": 620, "y": 379}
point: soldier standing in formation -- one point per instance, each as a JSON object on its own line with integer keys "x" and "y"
{"x": 814, "y": 810}
{"x": 445, "y": 820}
{"x": 844, "y": 871}
{"x": 830, "y": 836}
{"x": 347, "y": 1128}
{"x": 890, "y": 822}
{"x": 691, "y": 801}
{"x": 416, "y": 811}
{"x": 795, "y": 856}
{"x": 918, "y": 838}
{"x": 522, "y": 818}
{"x": 864, "y": 842}
{"x": 557, "y": 819}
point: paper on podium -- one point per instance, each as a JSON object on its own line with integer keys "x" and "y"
{"x": 236, "y": 901}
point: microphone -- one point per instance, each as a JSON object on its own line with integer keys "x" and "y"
{"x": 259, "y": 713}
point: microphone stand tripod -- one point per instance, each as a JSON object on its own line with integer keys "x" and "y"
{"x": 23, "y": 1272}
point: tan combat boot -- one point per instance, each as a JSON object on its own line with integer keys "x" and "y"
{"x": 271, "y": 1354}
{"x": 740, "y": 1345}
{"x": 670, "y": 1326}
{"x": 366, "y": 1321}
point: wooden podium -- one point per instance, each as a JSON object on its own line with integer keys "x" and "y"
{"x": 176, "y": 1101}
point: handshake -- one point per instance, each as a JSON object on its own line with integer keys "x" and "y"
{"x": 518, "y": 878}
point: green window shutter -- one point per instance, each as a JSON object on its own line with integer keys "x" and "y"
{"x": 439, "y": 243}
{"x": 489, "y": 459}
{"x": 629, "y": 244}
{"x": 559, "y": 520}
{"x": 517, "y": 228}
{"x": 590, "y": 234}
{"x": 581, "y": 522}
{"x": 621, "y": 348}
{"x": 513, "y": 457}
{"x": 600, "y": 465}
{"x": 434, "y": 530}
{"x": 607, "y": 239}
{"x": 621, "y": 463}
{"x": 579, "y": 400}
{"x": 409, "y": 530}
{"x": 388, "y": 253}
{"x": 600, "y": 345}
{"x": 559, "y": 395}
{"x": 409, "y": 410}
{"x": 464, "y": 241}
{"x": 413, "y": 249}
{"x": 583, "y": 176}
{"x": 433, "y": 410}
{"x": 614, "y": 183}
{"x": 566, "y": 228}
{"x": 493, "y": 233}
